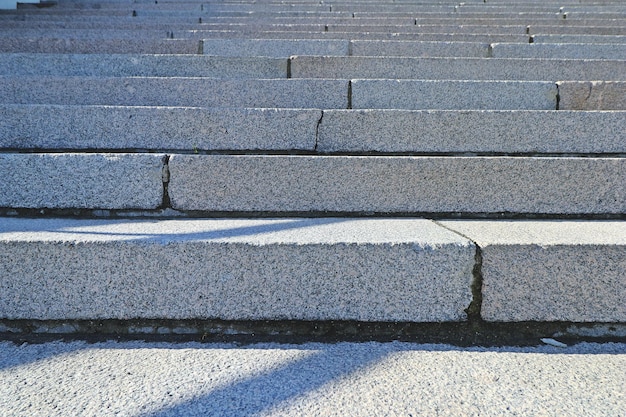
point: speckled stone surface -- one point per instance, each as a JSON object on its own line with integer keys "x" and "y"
{"x": 274, "y": 47}
{"x": 398, "y": 184}
{"x": 550, "y": 270}
{"x": 174, "y": 91}
{"x": 448, "y": 95}
{"x": 191, "y": 128}
{"x": 579, "y": 38}
{"x": 472, "y": 131}
{"x": 106, "y": 181}
{"x": 455, "y": 68}
{"x": 100, "y": 46}
{"x": 426, "y": 49}
{"x": 238, "y": 269}
{"x": 592, "y": 95}
{"x": 141, "y": 65}
{"x": 559, "y": 50}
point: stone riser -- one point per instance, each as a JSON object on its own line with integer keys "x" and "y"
{"x": 312, "y": 269}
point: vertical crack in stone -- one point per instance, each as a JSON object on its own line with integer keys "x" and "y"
{"x": 166, "y": 180}
{"x": 473, "y": 311}
{"x": 317, "y": 131}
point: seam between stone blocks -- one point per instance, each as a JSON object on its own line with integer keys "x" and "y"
{"x": 317, "y": 131}
{"x": 165, "y": 176}
{"x": 474, "y": 308}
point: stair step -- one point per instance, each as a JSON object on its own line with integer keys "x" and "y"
{"x": 89, "y": 181}
{"x": 593, "y": 95}
{"x": 397, "y": 184}
{"x": 550, "y": 270}
{"x": 175, "y": 91}
{"x": 448, "y": 95}
{"x": 235, "y": 269}
{"x": 99, "y": 46}
{"x": 141, "y": 65}
{"x": 456, "y": 68}
{"x": 559, "y": 50}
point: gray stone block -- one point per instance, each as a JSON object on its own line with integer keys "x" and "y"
{"x": 132, "y": 65}
{"x": 434, "y": 28}
{"x": 275, "y": 47}
{"x": 234, "y": 269}
{"x": 582, "y": 38}
{"x": 104, "y": 181}
{"x": 111, "y": 127}
{"x": 456, "y": 68}
{"x": 550, "y": 270}
{"x": 461, "y": 95}
{"x": 472, "y": 131}
{"x": 418, "y": 49}
{"x": 543, "y": 30}
{"x": 194, "y": 92}
{"x": 592, "y": 95}
{"x": 398, "y": 184}
{"x": 100, "y": 46}
{"x": 559, "y": 50}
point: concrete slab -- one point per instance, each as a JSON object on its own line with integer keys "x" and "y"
{"x": 174, "y": 91}
{"x": 592, "y": 95}
{"x": 433, "y": 131}
{"x": 141, "y": 65}
{"x": 550, "y": 270}
{"x": 105, "y": 181}
{"x": 456, "y": 68}
{"x": 559, "y": 50}
{"x": 457, "y": 95}
{"x": 275, "y": 47}
{"x": 236, "y": 269}
{"x": 397, "y": 184}
{"x": 180, "y": 128}
{"x": 418, "y": 49}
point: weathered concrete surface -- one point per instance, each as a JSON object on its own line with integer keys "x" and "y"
{"x": 472, "y": 131}
{"x": 175, "y": 91}
{"x": 453, "y": 95}
{"x": 580, "y": 38}
{"x": 398, "y": 184}
{"x": 141, "y": 65}
{"x": 559, "y": 50}
{"x": 456, "y": 68}
{"x": 238, "y": 269}
{"x": 274, "y": 47}
{"x": 592, "y": 95}
{"x": 550, "y": 270}
{"x": 105, "y": 181}
{"x": 182, "y": 128}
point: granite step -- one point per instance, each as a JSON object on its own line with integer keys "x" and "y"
{"x": 49, "y": 127}
{"x": 456, "y": 68}
{"x": 175, "y": 91}
{"x": 559, "y": 50}
{"x": 346, "y": 269}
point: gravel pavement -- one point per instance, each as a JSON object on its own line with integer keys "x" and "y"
{"x": 312, "y": 379}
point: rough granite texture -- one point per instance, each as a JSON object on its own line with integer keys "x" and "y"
{"x": 554, "y": 31}
{"x": 559, "y": 50}
{"x": 100, "y": 46}
{"x": 430, "y": 37}
{"x": 457, "y": 95}
{"x": 592, "y": 95}
{"x": 579, "y": 38}
{"x": 175, "y": 91}
{"x": 398, "y": 184}
{"x": 275, "y": 47}
{"x": 236, "y": 269}
{"x": 137, "y": 65}
{"x": 456, "y": 68}
{"x": 550, "y": 270}
{"x": 24, "y": 126}
{"x": 104, "y": 181}
{"x": 517, "y": 131}
{"x": 414, "y": 48}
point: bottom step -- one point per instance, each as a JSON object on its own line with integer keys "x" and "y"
{"x": 363, "y": 269}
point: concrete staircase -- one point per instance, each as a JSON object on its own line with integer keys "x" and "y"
{"x": 373, "y": 161}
